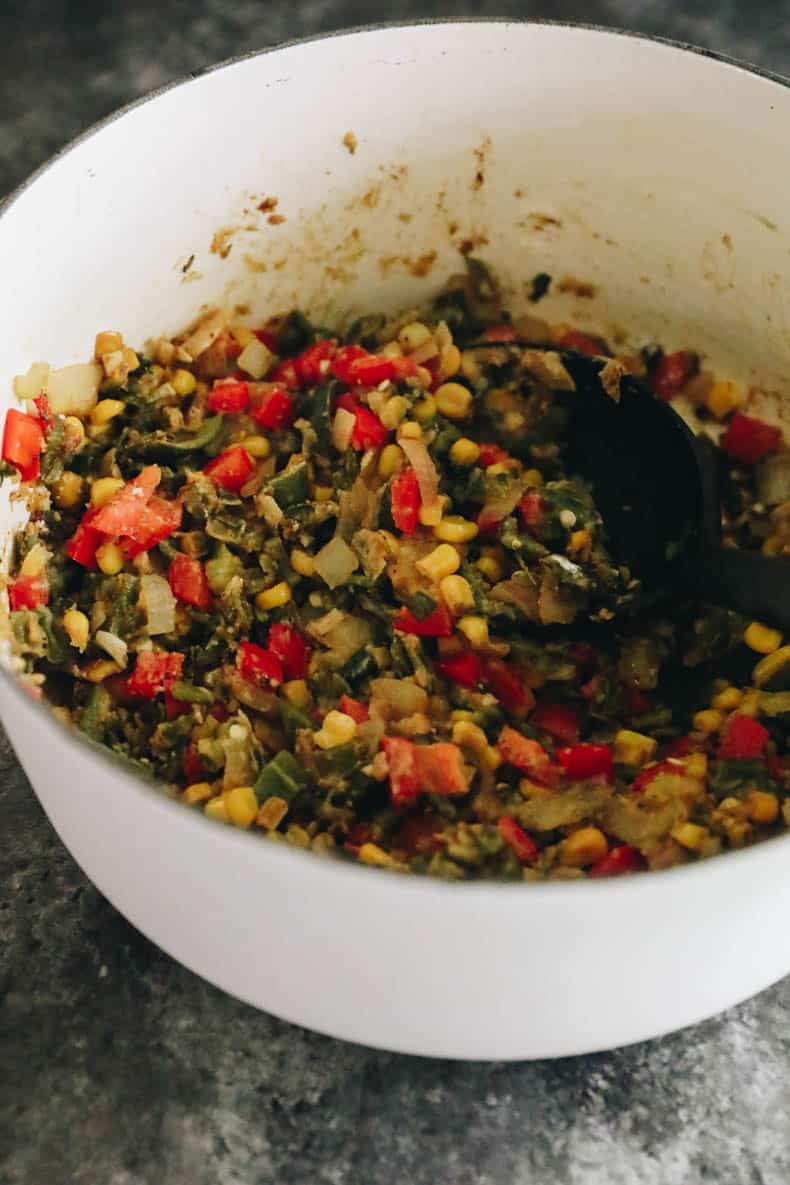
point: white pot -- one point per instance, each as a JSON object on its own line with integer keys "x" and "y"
{"x": 659, "y": 174}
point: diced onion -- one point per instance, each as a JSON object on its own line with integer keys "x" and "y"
{"x": 342, "y": 429}
{"x": 498, "y": 507}
{"x": 28, "y": 386}
{"x": 159, "y": 604}
{"x": 425, "y": 470}
{"x": 205, "y": 333}
{"x": 401, "y": 697}
{"x": 35, "y": 562}
{"x": 255, "y": 359}
{"x": 322, "y": 626}
{"x": 74, "y": 390}
{"x": 773, "y": 479}
{"x": 425, "y": 352}
{"x": 114, "y": 646}
{"x": 336, "y": 562}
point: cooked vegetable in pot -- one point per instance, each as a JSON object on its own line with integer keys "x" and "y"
{"x": 341, "y": 588}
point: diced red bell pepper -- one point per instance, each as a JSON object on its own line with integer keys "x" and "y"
{"x": 405, "y": 501}
{"x": 368, "y": 432}
{"x": 532, "y": 508}
{"x": 188, "y": 581}
{"x": 23, "y": 441}
{"x": 748, "y": 440}
{"x": 155, "y": 671}
{"x": 313, "y": 365}
{"x": 558, "y": 721}
{"x": 679, "y": 747}
{"x": 121, "y": 515}
{"x": 465, "y": 669}
{"x": 505, "y": 332}
{"x": 590, "y": 688}
{"x": 637, "y": 703}
{"x": 44, "y": 413}
{"x": 232, "y": 469}
{"x": 219, "y": 711}
{"x": 403, "y": 368}
{"x": 28, "y": 592}
{"x": 258, "y": 665}
{"x": 586, "y": 761}
{"x": 285, "y": 374}
{"x": 229, "y": 397}
{"x": 511, "y": 691}
{"x": 672, "y": 373}
{"x": 492, "y": 454}
{"x": 440, "y": 769}
{"x": 274, "y": 410}
{"x": 343, "y": 362}
{"x": 404, "y": 783}
{"x": 193, "y": 768}
{"x": 744, "y": 739}
{"x": 670, "y": 765}
{"x": 420, "y": 834}
{"x": 528, "y": 756}
{"x": 358, "y": 834}
{"x": 85, "y": 542}
{"x": 620, "y": 860}
{"x": 174, "y": 707}
{"x": 159, "y": 519}
{"x": 438, "y": 624}
{"x": 584, "y": 655}
{"x": 290, "y": 647}
{"x": 585, "y": 343}
{"x": 356, "y": 367}
{"x": 353, "y": 708}
{"x": 520, "y": 843}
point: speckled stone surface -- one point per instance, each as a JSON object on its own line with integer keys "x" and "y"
{"x": 117, "y": 1067}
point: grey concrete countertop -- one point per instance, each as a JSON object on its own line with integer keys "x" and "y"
{"x": 118, "y": 1067}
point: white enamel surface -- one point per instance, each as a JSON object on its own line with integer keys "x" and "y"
{"x": 665, "y": 171}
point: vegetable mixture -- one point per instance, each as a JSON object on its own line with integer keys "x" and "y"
{"x": 340, "y": 588}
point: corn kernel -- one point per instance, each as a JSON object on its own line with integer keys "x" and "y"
{"x": 722, "y": 398}
{"x": 302, "y": 562}
{"x": 773, "y": 545}
{"x": 533, "y": 477}
{"x": 580, "y": 541}
{"x": 389, "y": 460}
{"x": 110, "y": 559}
{"x": 490, "y": 567}
{"x": 425, "y": 410}
{"x": 464, "y": 452}
{"x": 100, "y": 669}
{"x": 106, "y": 343}
{"x": 583, "y": 847}
{"x": 771, "y": 665}
{"x": 298, "y": 836}
{"x": 470, "y": 736}
{"x": 67, "y": 490}
{"x": 453, "y": 400}
{"x": 391, "y": 350}
{"x": 455, "y": 529}
{"x": 750, "y": 703}
{"x": 73, "y": 433}
{"x": 470, "y": 366}
{"x": 272, "y": 813}
{"x": 241, "y": 805}
{"x": 337, "y": 729}
{"x": 106, "y": 410}
{"x": 104, "y": 490}
{"x": 457, "y": 594}
{"x": 633, "y": 748}
{"x": 197, "y": 792}
{"x": 184, "y": 382}
{"x": 761, "y": 806}
{"x": 77, "y": 627}
{"x": 491, "y": 759}
{"x": 449, "y": 361}
{"x": 371, "y": 853}
{"x": 690, "y": 835}
{"x": 461, "y": 714}
{"x": 393, "y": 411}
{"x": 443, "y": 561}
{"x": 243, "y": 335}
{"x": 274, "y": 598}
{"x": 498, "y": 469}
{"x": 431, "y": 516}
{"x": 708, "y": 720}
{"x": 474, "y": 629}
{"x": 410, "y": 429}
{"x": 257, "y": 446}
{"x": 297, "y": 693}
{"x": 696, "y": 766}
{"x": 761, "y": 638}
{"x": 164, "y": 351}
{"x": 727, "y": 699}
{"x": 323, "y": 493}
{"x": 414, "y": 335}
{"x": 215, "y": 809}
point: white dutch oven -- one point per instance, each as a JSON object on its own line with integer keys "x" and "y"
{"x": 657, "y": 173}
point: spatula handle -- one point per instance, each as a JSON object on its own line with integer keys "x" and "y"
{"x": 753, "y": 584}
